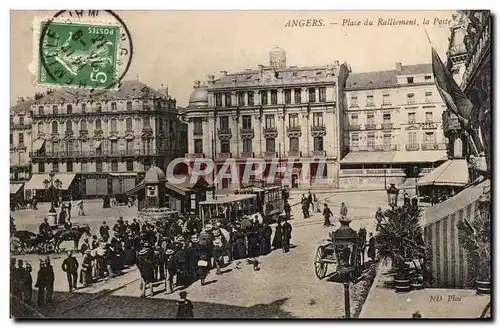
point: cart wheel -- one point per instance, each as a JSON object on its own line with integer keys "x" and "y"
{"x": 50, "y": 248}
{"x": 320, "y": 267}
{"x": 114, "y": 203}
{"x": 15, "y": 247}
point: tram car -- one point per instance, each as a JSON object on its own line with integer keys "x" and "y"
{"x": 270, "y": 198}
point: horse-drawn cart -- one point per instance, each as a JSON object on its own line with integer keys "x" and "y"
{"x": 325, "y": 256}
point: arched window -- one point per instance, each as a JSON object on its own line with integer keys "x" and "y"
{"x": 98, "y": 124}
{"x": 128, "y": 124}
{"x": 40, "y": 127}
{"x": 114, "y": 126}
{"x": 83, "y": 125}
{"x": 69, "y": 109}
{"x": 55, "y": 127}
{"x": 69, "y": 126}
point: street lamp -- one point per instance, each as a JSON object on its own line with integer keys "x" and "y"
{"x": 345, "y": 243}
{"x": 484, "y": 206}
{"x": 392, "y": 195}
{"x": 52, "y": 185}
{"x": 415, "y": 172}
{"x": 385, "y": 176}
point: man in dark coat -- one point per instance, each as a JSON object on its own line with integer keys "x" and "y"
{"x": 43, "y": 230}
{"x": 265, "y": 244}
{"x": 146, "y": 268}
{"x": 70, "y": 266}
{"x": 134, "y": 226}
{"x": 104, "y": 231}
{"x": 287, "y": 235}
{"x": 182, "y": 265}
{"x": 327, "y": 214}
{"x": 41, "y": 283}
{"x": 371, "y": 247}
{"x": 27, "y": 283}
{"x": 49, "y": 288}
{"x": 277, "y": 240}
{"x": 310, "y": 201}
{"x": 184, "y": 307}
{"x": 379, "y": 216}
{"x": 171, "y": 269}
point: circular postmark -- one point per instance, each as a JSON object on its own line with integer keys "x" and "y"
{"x": 89, "y": 49}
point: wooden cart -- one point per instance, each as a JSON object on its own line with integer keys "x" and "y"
{"x": 325, "y": 256}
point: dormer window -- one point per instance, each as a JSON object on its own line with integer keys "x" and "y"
{"x": 409, "y": 80}
{"x": 427, "y": 77}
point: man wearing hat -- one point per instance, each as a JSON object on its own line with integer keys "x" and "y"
{"x": 203, "y": 268}
{"x": 194, "y": 255}
{"x": 218, "y": 255}
{"x": 181, "y": 262}
{"x": 85, "y": 245}
{"x": 184, "y": 307}
{"x": 86, "y": 271}
{"x": 327, "y": 214}
{"x": 70, "y": 266}
{"x": 171, "y": 269}
{"x": 104, "y": 231}
{"x": 287, "y": 235}
{"x": 147, "y": 272}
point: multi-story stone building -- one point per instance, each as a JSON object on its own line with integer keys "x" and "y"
{"x": 103, "y": 144}
{"x": 20, "y": 146}
{"x": 275, "y": 112}
{"x": 394, "y": 127}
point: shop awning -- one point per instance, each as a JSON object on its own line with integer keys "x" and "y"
{"x": 97, "y": 144}
{"x": 187, "y": 186}
{"x": 137, "y": 188}
{"x": 425, "y": 156}
{"x": 453, "y": 172}
{"x": 124, "y": 174}
{"x": 38, "y": 144}
{"x": 14, "y": 188}
{"x": 36, "y": 181}
{"x": 368, "y": 157}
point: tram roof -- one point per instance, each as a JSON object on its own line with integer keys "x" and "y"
{"x": 228, "y": 199}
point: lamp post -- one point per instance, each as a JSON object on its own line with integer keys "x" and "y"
{"x": 345, "y": 243}
{"x": 385, "y": 176}
{"x": 52, "y": 185}
{"x": 484, "y": 206}
{"x": 415, "y": 172}
{"x": 392, "y": 195}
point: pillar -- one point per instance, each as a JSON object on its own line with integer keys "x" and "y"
{"x": 303, "y": 96}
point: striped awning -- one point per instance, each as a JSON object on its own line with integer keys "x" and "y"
{"x": 123, "y": 174}
{"x": 423, "y": 156}
{"x": 38, "y": 144}
{"x": 36, "y": 181}
{"x": 368, "y": 157}
{"x": 14, "y": 188}
{"x": 453, "y": 172}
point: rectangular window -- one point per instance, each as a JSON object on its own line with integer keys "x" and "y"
{"x": 354, "y": 119}
{"x": 114, "y": 146}
{"x": 130, "y": 165}
{"x": 69, "y": 167}
{"x": 247, "y": 121}
{"x": 354, "y": 101}
{"x": 294, "y": 144}
{"x": 263, "y": 97}
{"x": 98, "y": 165}
{"x": 129, "y": 146}
{"x": 428, "y": 78}
{"x": 270, "y": 145}
{"x": 114, "y": 125}
{"x": 84, "y": 167}
{"x": 370, "y": 119}
{"x": 369, "y": 100}
{"x": 409, "y": 80}
{"x": 84, "y": 108}
{"x": 241, "y": 99}
{"x": 274, "y": 97}
{"x": 312, "y": 94}
{"x": 428, "y": 117}
{"x": 40, "y": 110}
{"x": 198, "y": 146}
{"x": 386, "y": 118}
{"x": 41, "y": 167}
{"x": 428, "y": 97}
{"x": 386, "y": 99}
{"x": 288, "y": 96}
{"x": 224, "y": 122}
{"x": 317, "y": 119}
{"x": 228, "y": 99}
{"x": 55, "y": 146}
{"x": 270, "y": 121}
{"x": 411, "y": 118}
{"x": 55, "y": 166}
{"x": 114, "y": 165}
{"x": 113, "y": 106}
{"x": 247, "y": 145}
{"x": 198, "y": 126}
{"x": 225, "y": 146}
{"x": 322, "y": 94}
{"x": 21, "y": 120}
{"x": 293, "y": 120}
{"x": 54, "y": 110}
{"x": 129, "y": 105}
{"x": 410, "y": 98}
{"x": 218, "y": 100}
{"x": 250, "y": 98}
{"x": 297, "y": 96}
{"x": 21, "y": 138}
{"x": 128, "y": 125}
{"x": 146, "y": 105}
{"x": 371, "y": 140}
{"x": 387, "y": 140}
{"x": 98, "y": 107}
{"x": 69, "y": 109}
{"x": 318, "y": 143}
{"x": 355, "y": 139}
{"x": 412, "y": 138}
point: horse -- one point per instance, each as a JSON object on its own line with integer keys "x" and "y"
{"x": 74, "y": 234}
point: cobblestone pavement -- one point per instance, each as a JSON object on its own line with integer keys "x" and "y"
{"x": 285, "y": 287}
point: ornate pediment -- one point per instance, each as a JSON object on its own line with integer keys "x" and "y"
{"x": 114, "y": 136}
{"x": 412, "y": 127}
{"x": 129, "y": 136}
{"x": 83, "y": 137}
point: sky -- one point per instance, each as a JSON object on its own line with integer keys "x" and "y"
{"x": 175, "y": 48}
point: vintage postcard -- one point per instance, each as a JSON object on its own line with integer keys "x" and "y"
{"x": 250, "y": 164}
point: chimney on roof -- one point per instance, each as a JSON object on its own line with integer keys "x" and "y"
{"x": 224, "y": 73}
{"x": 399, "y": 66}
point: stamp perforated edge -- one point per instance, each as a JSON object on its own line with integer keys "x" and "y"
{"x": 34, "y": 66}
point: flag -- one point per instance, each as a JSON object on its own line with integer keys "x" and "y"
{"x": 455, "y": 99}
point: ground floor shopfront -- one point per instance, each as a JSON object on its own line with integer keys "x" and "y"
{"x": 293, "y": 173}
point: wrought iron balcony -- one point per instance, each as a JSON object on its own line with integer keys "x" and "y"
{"x": 248, "y": 130}
{"x": 224, "y": 155}
{"x": 386, "y": 126}
{"x": 433, "y": 146}
{"x": 83, "y": 132}
{"x": 371, "y": 126}
{"x": 354, "y": 127}
{"x": 224, "y": 131}
{"x": 295, "y": 128}
{"x": 195, "y": 155}
{"x": 270, "y": 154}
{"x": 21, "y": 126}
{"x": 429, "y": 125}
{"x": 247, "y": 154}
{"x": 94, "y": 153}
{"x": 271, "y": 129}
{"x": 294, "y": 153}
{"x": 198, "y": 132}
{"x": 412, "y": 147}
{"x": 321, "y": 153}
{"x": 69, "y": 133}
{"x": 318, "y": 128}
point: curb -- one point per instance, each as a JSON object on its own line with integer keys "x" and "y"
{"x": 372, "y": 288}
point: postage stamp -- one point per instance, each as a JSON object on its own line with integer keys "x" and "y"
{"x": 80, "y": 50}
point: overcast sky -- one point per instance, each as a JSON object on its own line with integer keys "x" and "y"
{"x": 177, "y": 47}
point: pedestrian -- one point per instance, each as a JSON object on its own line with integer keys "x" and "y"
{"x": 15, "y": 288}
{"x": 327, "y": 214}
{"x": 95, "y": 242}
{"x": 379, "y": 216}
{"x": 41, "y": 283}
{"x": 316, "y": 204}
{"x": 81, "y": 211}
{"x": 288, "y": 210}
{"x": 287, "y": 235}
{"x": 310, "y": 200}
{"x": 218, "y": 253}
{"x": 265, "y": 243}
{"x": 104, "y": 231}
{"x": 86, "y": 271}
{"x": 371, "y": 247}
{"x": 277, "y": 242}
{"x": 49, "y": 287}
{"x": 70, "y": 266}
{"x": 70, "y": 204}
{"x": 85, "y": 246}
{"x": 27, "y": 283}
{"x": 171, "y": 269}
{"x": 20, "y": 277}
{"x": 147, "y": 272}
{"x": 184, "y": 307}
{"x": 343, "y": 210}
{"x": 203, "y": 268}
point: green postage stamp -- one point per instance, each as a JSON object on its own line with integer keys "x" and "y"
{"x": 78, "y": 54}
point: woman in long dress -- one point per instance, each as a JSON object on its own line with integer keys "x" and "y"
{"x": 277, "y": 236}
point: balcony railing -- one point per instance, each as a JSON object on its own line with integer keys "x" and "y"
{"x": 295, "y": 128}
{"x": 21, "y": 126}
{"x": 83, "y": 132}
{"x": 69, "y": 133}
{"x": 246, "y": 130}
{"x": 433, "y": 146}
{"x": 318, "y": 153}
{"x": 224, "y": 131}
{"x": 94, "y": 153}
{"x": 224, "y": 155}
{"x": 198, "y": 132}
{"x": 386, "y": 126}
{"x": 247, "y": 154}
{"x": 391, "y": 147}
{"x": 270, "y": 154}
{"x": 371, "y": 126}
{"x": 354, "y": 127}
{"x": 411, "y": 102}
{"x": 294, "y": 153}
{"x": 271, "y": 129}
{"x": 318, "y": 128}
{"x": 412, "y": 147}
{"x": 429, "y": 125}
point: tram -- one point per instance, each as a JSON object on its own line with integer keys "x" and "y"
{"x": 228, "y": 208}
{"x": 270, "y": 198}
